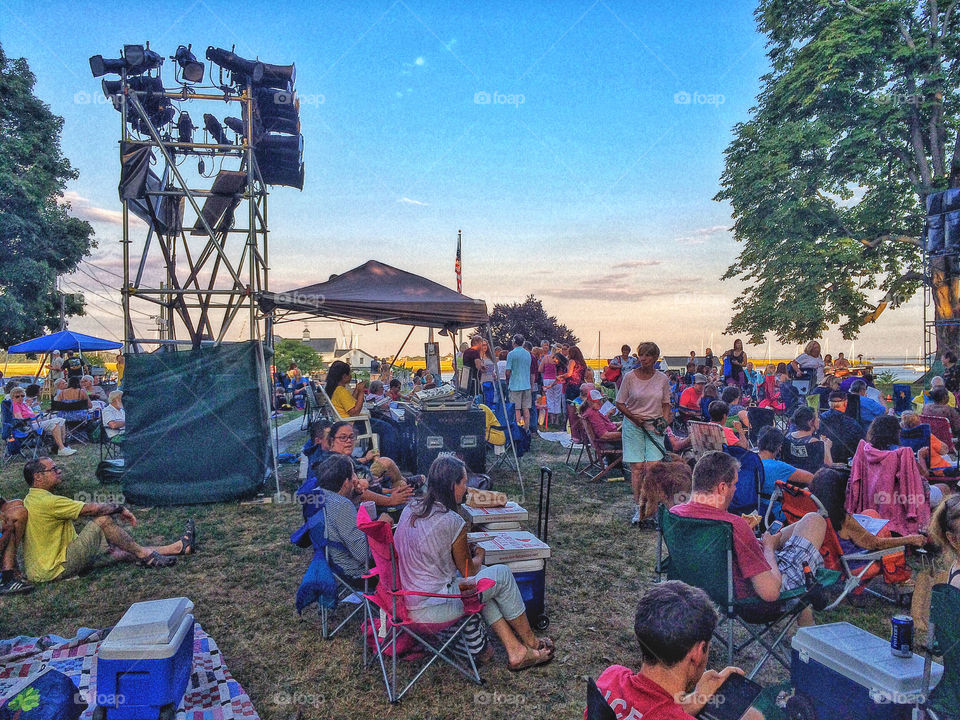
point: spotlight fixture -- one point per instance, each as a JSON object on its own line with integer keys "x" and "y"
{"x": 235, "y": 124}
{"x": 280, "y": 159}
{"x": 136, "y": 60}
{"x": 213, "y": 126}
{"x": 191, "y": 68}
{"x": 240, "y": 68}
{"x": 185, "y": 128}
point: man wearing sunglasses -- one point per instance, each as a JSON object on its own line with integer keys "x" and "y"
{"x": 52, "y": 549}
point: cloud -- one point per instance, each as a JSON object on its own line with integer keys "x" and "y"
{"x": 624, "y": 286}
{"x": 420, "y": 61}
{"x": 408, "y": 201}
{"x": 637, "y": 264}
{"x": 701, "y": 235}
{"x": 83, "y": 208}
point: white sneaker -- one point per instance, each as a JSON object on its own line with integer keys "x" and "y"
{"x": 636, "y": 517}
{"x": 67, "y": 451}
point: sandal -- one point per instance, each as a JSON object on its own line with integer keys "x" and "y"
{"x": 536, "y": 657}
{"x": 155, "y": 560}
{"x": 546, "y": 644}
{"x": 188, "y": 540}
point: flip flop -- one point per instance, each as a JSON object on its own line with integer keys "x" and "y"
{"x": 545, "y": 644}
{"x": 189, "y": 539}
{"x": 539, "y": 657}
{"x": 156, "y": 560}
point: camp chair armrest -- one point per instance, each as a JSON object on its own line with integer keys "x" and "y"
{"x": 873, "y": 554}
{"x": 824, "y": 579}
{"x": 373, "y": 573}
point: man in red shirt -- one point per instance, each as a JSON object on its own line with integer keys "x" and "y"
{"x": 674, "y": 623}
{"x": 764, "y": 567}
{"x": 690, "y": 398}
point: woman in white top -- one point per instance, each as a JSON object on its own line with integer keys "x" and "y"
{"x": 810, "y": 362}
{"x": 431, "y": 541}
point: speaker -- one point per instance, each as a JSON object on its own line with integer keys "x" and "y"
{"x": 935, "y": 234}
{"x": 453, "y": 432}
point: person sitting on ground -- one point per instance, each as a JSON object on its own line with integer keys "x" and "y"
{"x": 733, "y": 397}
{"x": 13, "y": 523}
{"x": 945, "y": 532}
{"x": 762, "y": 568}
{"x": 604, "y": 431}
{"x": 870, "y": 409}
{"x": 843, "y": 431}
{"x": 52, "y": 425}
{"x": 807, "y": 423}
{"x": 735, "y": 436}
{"x": 94, "y": 392}
{"x": 690, "y": 398}
{"x": 939, "y": 407}
{"x": 114, "y": 417}
{"x": 431, "y": 541}
{"x": 674, "y": 624}
{"x": 52, "y": 549}
{"x": 769, "y": 446}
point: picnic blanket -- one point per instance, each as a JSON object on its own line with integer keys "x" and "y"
{"x": 561, "y": 437}
{"x": 212, "y": 693}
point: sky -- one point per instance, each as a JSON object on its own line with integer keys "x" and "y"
{"x": 577, "y": 145}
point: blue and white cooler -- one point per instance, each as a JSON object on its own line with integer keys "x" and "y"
{"x": 143, "y": 666}
{"x": 841, "y": 672}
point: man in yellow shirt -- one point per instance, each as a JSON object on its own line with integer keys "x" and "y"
{"x": 52, "y": 549}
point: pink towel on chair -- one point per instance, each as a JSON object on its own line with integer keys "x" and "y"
{"x": 889, "y": 482}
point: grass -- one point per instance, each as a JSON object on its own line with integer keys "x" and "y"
{"x": 245, "y": 576}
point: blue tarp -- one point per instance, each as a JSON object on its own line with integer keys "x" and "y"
{"x": 63, "y": 341}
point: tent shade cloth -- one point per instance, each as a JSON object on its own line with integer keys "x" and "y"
{"x": 63, "y": 341}
{"x": 380, "y": 293}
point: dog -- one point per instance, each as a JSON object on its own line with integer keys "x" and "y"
{"x": 668, "y": 482}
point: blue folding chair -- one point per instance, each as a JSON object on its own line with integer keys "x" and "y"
{"x": 746, "y": 498}
{"x": 901, "y": 398}
{"x": 916, "y": 438}
{"x": 18, "y": 435}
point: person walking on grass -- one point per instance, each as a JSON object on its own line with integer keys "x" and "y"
{"x": 53, "y": 550}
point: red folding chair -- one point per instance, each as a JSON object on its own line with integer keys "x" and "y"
{"x": 940, "y": 426}
{"x": 577, "y": 441}
{"x": 389, "y": 627}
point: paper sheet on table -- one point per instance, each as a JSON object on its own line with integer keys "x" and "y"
{"x": 871, "y": 524}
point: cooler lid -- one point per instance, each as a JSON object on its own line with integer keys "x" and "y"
{"x": 153, "y": 622}
{"x": 866, "y": 659}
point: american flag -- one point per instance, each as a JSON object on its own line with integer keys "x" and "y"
{"x": 458, "y": 267}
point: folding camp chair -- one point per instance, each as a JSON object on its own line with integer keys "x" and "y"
{"x": 577, "y": 441}
{"x": 901, "y": 398}
{"x": 916, "y": 438}
{"x": 940, "y": 426}
{"x": 853, "y": 407}
{"x": 857, "y": 569}
{"x": 361, "y": 421}
{"x": 759, "y": 418}
{"x": 803, "y": 456}
{"x": 18, "y": 435}
{"x": 705, "y": 437}
{"x": 747, "y": 496}
{"x": 388, "y": 624}
{"x": 497, "y": 429}
{"x": 700, "y": 553}
{"x": 77, "y": 417}
{"x": 943, "y": 638}
{"x": 311, "y": 407}
{"x": 603, "y": 457}
{"x": 813, "y": 402}
{"x": 110, "y": 447}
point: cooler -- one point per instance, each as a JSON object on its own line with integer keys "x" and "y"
{"x": 492, "y": 519}
{"x": 145, "y": 662}
{"x": 531, "y": 579}
{"x": 844, "y": 673}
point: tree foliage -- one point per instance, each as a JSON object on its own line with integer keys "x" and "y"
{"x": 855, "y": 123}
{"x": 290, "y": 350}
{"x": 38, "y": 240}
{"x": 530, "y": 320}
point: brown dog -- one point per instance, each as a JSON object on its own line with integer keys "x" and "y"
{"x": 664, "y": 482}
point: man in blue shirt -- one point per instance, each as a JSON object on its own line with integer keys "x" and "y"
{"x": 870, "y": 409}
{"x": 518, "y": 379}
{"x": 769, "y": 443}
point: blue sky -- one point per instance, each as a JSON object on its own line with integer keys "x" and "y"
{"x": 578, "y": 145}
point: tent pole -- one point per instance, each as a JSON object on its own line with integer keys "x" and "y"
{"x": 266, "y": 393}
{"x": 503, "y": 403}
{"x": 393, "y": 361}
{"x": 39, "y": 368}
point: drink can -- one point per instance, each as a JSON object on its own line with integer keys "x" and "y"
{"x": 901, "y": 636}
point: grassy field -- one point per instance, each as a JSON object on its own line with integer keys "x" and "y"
{"x": 245, "y": 576}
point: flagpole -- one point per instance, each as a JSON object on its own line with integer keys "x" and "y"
{"x": 458, "y": 268}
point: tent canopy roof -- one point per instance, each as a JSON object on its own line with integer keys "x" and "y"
{"x": 376, "y": 292}
{"x": 63, "y": 341}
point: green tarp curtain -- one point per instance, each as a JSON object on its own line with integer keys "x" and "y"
{"x": 197, "y": 428}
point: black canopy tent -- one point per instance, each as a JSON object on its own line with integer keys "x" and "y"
{"x": 378, "y": 293}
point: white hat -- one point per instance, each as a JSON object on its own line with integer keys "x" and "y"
{"x": 596, "y": 395}
{"x": 56, "y": 352}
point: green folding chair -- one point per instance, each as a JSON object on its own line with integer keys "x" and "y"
{"x": 700, "y": 553}
{"x": 943, "y": 702}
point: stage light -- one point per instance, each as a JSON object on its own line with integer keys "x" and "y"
{"x": 185, "y": 128}
{"x": 235, "y": 124}
{"x": 278, "y": 110}
{"x": 192, "y": 69}
{"x": 240, "y": 68}
{"x": 280, "y": 159}
{"x": 279, "y": 76}
{"x": 213, "y": 126}
{"x": 136, "y": 60}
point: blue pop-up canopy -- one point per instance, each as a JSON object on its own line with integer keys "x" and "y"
{"x": 63, "y": 341}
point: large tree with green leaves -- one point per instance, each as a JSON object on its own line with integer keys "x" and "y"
{"x": 528, "y": 319}
{"x": 38, "y": 239}
{"x": 856, "y": 122}
{"x": 291, "y": 350}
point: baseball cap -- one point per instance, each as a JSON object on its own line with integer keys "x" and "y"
{"x": 699, "y": 378}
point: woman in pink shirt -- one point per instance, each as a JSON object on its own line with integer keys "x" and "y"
{"x": 51, "y": 425}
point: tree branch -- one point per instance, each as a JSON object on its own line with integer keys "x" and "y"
{"x": 946, "y": 18}
{"x": 890, "y": 237}
{"x": 892, "y": 294}
{"x": 955, "y": 163}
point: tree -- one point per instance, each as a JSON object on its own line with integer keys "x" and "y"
{"x": 39, "y": 241}
{"x": 290, "y": 350}
{"x": 530, "y": 320}
{"x": 855, "y": 125}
